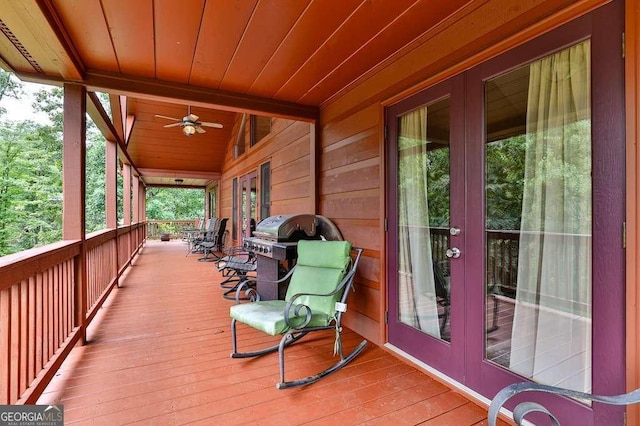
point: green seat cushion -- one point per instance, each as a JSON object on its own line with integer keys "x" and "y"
{"x": 320, "y": 267}
{"x": 268, "y": 316}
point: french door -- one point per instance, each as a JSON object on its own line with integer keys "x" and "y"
{"x": 426, "y": 165}
{"x": 505, "y": 249}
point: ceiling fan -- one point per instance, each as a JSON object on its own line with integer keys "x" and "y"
{"x": 189, "y": 123}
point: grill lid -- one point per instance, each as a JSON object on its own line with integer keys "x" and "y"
{"x": 287, "y": 227}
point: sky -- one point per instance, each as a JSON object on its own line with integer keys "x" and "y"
{"x": 19, "y": 109}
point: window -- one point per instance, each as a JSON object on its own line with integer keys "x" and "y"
{"x": 239, "y": 146}
{"x": 260, "y": 127}
{"x": 265, "y": 190}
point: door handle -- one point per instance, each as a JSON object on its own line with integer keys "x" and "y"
{"x": 453, "y": 252}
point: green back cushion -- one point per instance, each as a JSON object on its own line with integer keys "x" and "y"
{"x": 320, "y": 267}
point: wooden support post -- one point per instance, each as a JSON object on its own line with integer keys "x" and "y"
{"x": 126, "y": 208}
{"x": 111, "y": 197}
{"x": 73, "y": 181}
{"x": 126, "y": 193}
{"x": 135, "y": 213}
{"x": 135, "y": 202}
{"x": 143, "y": 211}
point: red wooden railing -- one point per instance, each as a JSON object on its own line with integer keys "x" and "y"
{"x": 42, "y": 311}
{"x": 172, "y": 228}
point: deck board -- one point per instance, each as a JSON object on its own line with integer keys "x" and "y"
{"x": 158, "y": 353}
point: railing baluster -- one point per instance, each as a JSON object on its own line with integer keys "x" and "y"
{"x": 39, "y": 348}
{"x": 31, "y": 340}
{"x": 24, "y": 335}
{"x": 5, "y": 340}
{"x": 14, "y": 362}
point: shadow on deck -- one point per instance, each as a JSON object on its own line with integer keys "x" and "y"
{"x": 158, "y": 353}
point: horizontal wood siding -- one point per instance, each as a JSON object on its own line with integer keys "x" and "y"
{"x": 350, "y": 185}
{"x": 287, "y": 147}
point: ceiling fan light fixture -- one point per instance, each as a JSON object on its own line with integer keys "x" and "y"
{"x": 189, "y": 129}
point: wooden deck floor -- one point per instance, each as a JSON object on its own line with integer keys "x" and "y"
{"x": 159, "y": 354}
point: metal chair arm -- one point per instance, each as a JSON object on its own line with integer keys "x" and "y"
{"x": 525, "y": 408}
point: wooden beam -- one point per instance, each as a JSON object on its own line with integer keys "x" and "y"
{"x": 168, "y": 185}
{"x": 128, "y": 129}
{"x": 114, "y": 100}
{"x": 181, "y": 93}
{"x": 197, "y": 96}
{"x": 184, "y": 174}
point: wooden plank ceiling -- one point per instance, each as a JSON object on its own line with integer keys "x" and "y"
{"x": 280, "y": 58}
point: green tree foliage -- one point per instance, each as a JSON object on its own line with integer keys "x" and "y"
{"x": 30, "y": 187}
{"x": 174, "y": 203}
{"x": 504, "y": 174}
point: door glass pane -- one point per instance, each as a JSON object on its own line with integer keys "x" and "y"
{"x": 253, "y": 194}
{"x": 243, "y": 211}
{"x": 538, "y": 219}
{"x": 423, "y": 222}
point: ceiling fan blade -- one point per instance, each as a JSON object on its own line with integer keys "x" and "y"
{"x": 200, "y": 130}
{"x": 208, "y": 124}
{"x": 168, "y": 118}
{"x": 172, "y": 125}
{"x": 192, "y": 117}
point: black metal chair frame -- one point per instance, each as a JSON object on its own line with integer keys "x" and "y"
{"x": 297, "y": 332}
{"x": 205, "y": 235}
{"x": 215, "y": 242}
{"x": 237, "y": 266}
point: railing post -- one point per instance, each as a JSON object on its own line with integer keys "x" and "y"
{"x": 111, "y": 196}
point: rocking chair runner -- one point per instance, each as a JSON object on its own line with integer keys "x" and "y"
{"x": 315, "y": 300}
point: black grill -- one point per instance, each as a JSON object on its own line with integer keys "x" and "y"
{"x": 275, "y": 242}
{"x": 277, "y": 236}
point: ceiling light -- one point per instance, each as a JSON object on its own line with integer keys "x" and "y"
{"x": 189, "y": 129}
{"x": 179, "y": 181}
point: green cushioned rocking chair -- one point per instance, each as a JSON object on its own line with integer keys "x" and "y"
{"x": 316, "y": 300}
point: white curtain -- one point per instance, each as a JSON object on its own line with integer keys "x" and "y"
{"x": 551, "y": 336}
{"x": 417, "y": 296}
